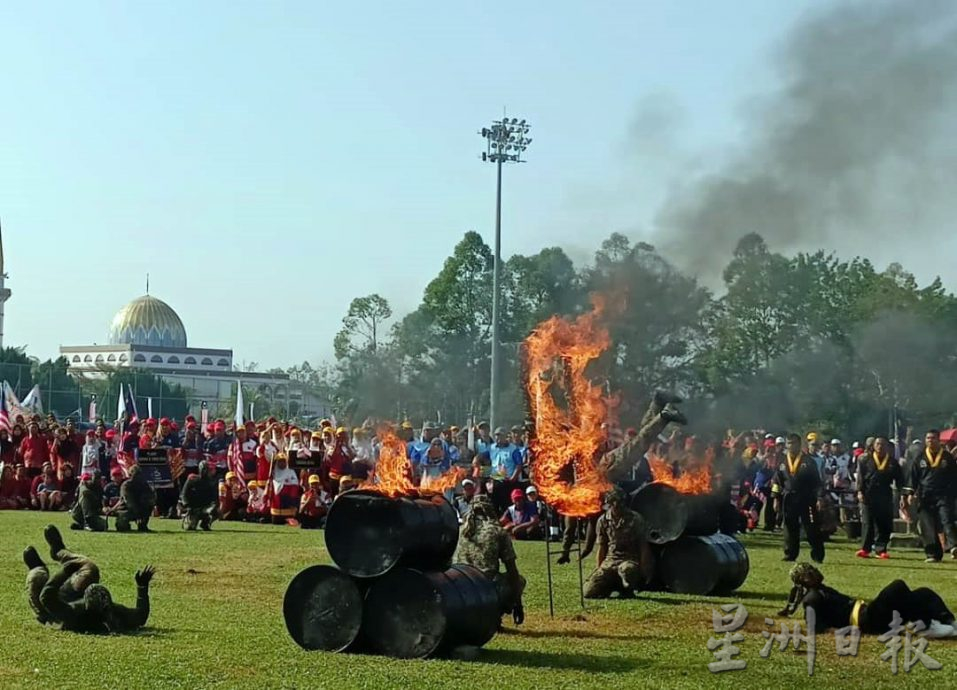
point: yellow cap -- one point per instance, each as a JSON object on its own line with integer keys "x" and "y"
{"x": 813, "y": 437}
{"x": 341, "y": 430}
{"x": 313, "y": 478}
{"x": 230, "y": 475}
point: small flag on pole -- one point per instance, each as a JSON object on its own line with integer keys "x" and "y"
{"x": 120, "y": 405}
{"x": 149, "y": 408}
{"x": 239, "y": 404}
{"x": 92, "y": 408}
{"x": 204, "y": 417}
{"x": 4, "y": 414}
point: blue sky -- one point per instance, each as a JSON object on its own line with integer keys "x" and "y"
{"x": 267, "y": 162}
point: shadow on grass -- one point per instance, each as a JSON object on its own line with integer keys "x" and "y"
{"x": 573, "y": 634}
{"x": 578, "y": 662}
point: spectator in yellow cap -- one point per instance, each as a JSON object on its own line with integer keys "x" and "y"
{"x": 314, "y": 505}
{"x": 256, "y": 508}
{"x": 233, "y": 498}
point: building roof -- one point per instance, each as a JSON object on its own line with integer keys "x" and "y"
{"x": 148, "y": 321}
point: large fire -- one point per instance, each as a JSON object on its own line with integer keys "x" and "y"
{"x": 689, "y": 480}
{"x": 393, "y": 474}
{"x": 556, "y": 356}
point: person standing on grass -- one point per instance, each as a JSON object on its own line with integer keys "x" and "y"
{"x": 930, "y": 490}
{"x": 877, "y": 474}
{"x": 800, "y": 481}
{"x": 34, "y": 450}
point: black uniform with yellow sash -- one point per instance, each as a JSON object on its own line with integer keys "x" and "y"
{"x": 877, "y": 476}
{"x": 800, "y": 484}
{"x": 933, "y": 480}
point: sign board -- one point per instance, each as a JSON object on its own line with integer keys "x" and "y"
{"x": 154, "y": 464}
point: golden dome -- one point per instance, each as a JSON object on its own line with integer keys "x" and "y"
{"x": 147, "y": 321}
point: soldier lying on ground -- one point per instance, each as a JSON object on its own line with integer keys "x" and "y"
{"x": 625, "y": 560}
{"x": 832, "y": 609}
{"x": 483, "y": 544}
{"x": 73, "y": 596}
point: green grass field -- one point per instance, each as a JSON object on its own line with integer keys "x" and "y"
{"x": 216, "y": 622}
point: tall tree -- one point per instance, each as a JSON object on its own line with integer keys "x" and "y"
{"x": 363, "y": 325}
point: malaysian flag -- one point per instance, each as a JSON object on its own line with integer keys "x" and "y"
{"x": 4, "y": 415}
{"x": 129, "y": 404}
{"x": 176, "y": 464}
{"x": 234, "y": 461}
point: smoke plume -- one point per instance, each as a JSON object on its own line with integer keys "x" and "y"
{"x": 856, "y": 152}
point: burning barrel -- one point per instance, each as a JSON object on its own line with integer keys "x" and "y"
{"x": 413, "y": 614}
{"x": 716, "y": 564}
{"x": 704, "y": 511}
{"x": 323, "y": 609}
{"x": 663, "y": 509}
{"x": 368, "y": 534}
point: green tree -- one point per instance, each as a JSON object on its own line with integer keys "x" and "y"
{"x": 362, "y": 326}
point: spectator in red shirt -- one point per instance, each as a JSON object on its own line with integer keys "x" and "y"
{"x": 8, "y": 489}
{"x": 64, "y": 450}
{"x": 45, "y": 491}
{"x": 7, "y": 449}
{"x": 314, "y": 505}
{"x": 23, "y": 486}
{"x": 68, "y": 486}
{"x": 34, "y": 451}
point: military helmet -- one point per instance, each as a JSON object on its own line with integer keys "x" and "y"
{"x": 806, "y": 575}
{"x": 97, "y": 598}
{"x": 482, "y": 506}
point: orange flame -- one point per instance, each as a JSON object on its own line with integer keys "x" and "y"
{"x": 556, "y": 355}
{"x": 694, "y": 479}
{"x": 393, "y": 472}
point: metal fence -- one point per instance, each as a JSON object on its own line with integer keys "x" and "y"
{"x": 71, "y": 396}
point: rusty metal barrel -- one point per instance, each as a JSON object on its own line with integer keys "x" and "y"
{"x": 716, "y": 564}
{"x": 368, "y": 534}
{"x": 663, "y": 510}
{"x": 411, "y": 614}
{"x": 323, "y": 609}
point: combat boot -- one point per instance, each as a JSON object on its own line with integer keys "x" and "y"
{"x": 55, "y": 540}
{"x": 672, "y": 414}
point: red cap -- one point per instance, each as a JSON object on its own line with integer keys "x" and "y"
{"x": 190, "y": 418}
{"x": 85, "y": 477}
{"x": 164, "y": 421}
{"x": 174, "y": 426}
{"x": 91, "y": 433}
{"x": 110, "y": 433}
{"x": 769, "y": 443}
{"x": 150, "y": 422}
{"x": 219, "y": 425}
{"x": 517, "y": 493}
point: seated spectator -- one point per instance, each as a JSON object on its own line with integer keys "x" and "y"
{"x": 521, "y": 519}
{"x": 256, "y": 508}
{"x": 347, "y": 483}
{"x": 314, "y": 505}
{"x": 233, "y": 498}
{"x": 45, "y": 491}
{"x": 111, "y": 492}
{"x": 7, "y": 449}
{"x": 8, "y": 489}
{"x": 24, "y": 484}
{"x": 69, "y": 485}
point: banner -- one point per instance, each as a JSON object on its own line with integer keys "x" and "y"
{"x": 154, "y": 464}
{"x": 303, "y": 459}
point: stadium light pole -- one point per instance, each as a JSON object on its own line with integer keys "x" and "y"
{"x": 506, "y": 141}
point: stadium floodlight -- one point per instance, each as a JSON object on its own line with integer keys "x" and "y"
{"x": 505, "y": 143}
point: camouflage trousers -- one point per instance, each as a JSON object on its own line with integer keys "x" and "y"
{"x": 199, "y": 517}
{"x": 508, "y": 598}
{"x": 613, "y": 576}
{"x": 126, "y": 518}
{"x": 95, "y": 523}
{"x": 87, "y": 574}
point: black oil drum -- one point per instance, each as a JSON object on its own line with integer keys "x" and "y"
{"x": 717, "y": 564}
{"x": 663, "y": 510}
{"x": 368, "y": 534}
{"x": 410, "y": 614}
{"x": 323, "y": 609}
{"x": 704, "y": 513}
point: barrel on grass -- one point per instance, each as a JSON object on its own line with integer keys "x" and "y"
{"x": 704, "y": 513}
{"x": 663, "y": 510}
{"x": 411, "y": 614}
{"x": 323, "y": 609}
{"x": 368, "y": 534}
{"x": 716, "y": 564}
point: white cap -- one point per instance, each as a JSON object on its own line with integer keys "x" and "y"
{"x": 856, "y": 445}
{"x": 468, "y": 482}
{"x": 768, "y": 436}
{"x": 780, "y": 439}
{"x": 836, "y": 442}
{"x": 531, "y": 490}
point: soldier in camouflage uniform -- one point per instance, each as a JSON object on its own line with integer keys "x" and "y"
{"x": 137, "y": 500}
{"x": 74, "y": 598}
{"x": 616, "y": 465}
{"x": 625, "y": 561}
{"x": 200, "y": 499}
{"x": 483, "y": 544}
{"x": 87, "y": 512}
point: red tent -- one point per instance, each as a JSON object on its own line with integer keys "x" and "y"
{"x": 948, "y": 435}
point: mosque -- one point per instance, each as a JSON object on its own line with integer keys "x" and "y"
{"x": 148, "y": 334}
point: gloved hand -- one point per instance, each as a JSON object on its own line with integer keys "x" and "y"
{"x": 518, "y": 614}
{"x": 144, "y": 576}
{"x": 563, "y": 559}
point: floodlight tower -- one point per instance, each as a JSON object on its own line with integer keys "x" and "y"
{"x": 506, "y": 141}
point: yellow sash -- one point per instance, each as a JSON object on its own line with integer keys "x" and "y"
{"x": 877, "y": 461}
{"x": 934, "y": 461}
{"x": 856, "y": 612}
{"x": 793, "y": 464}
